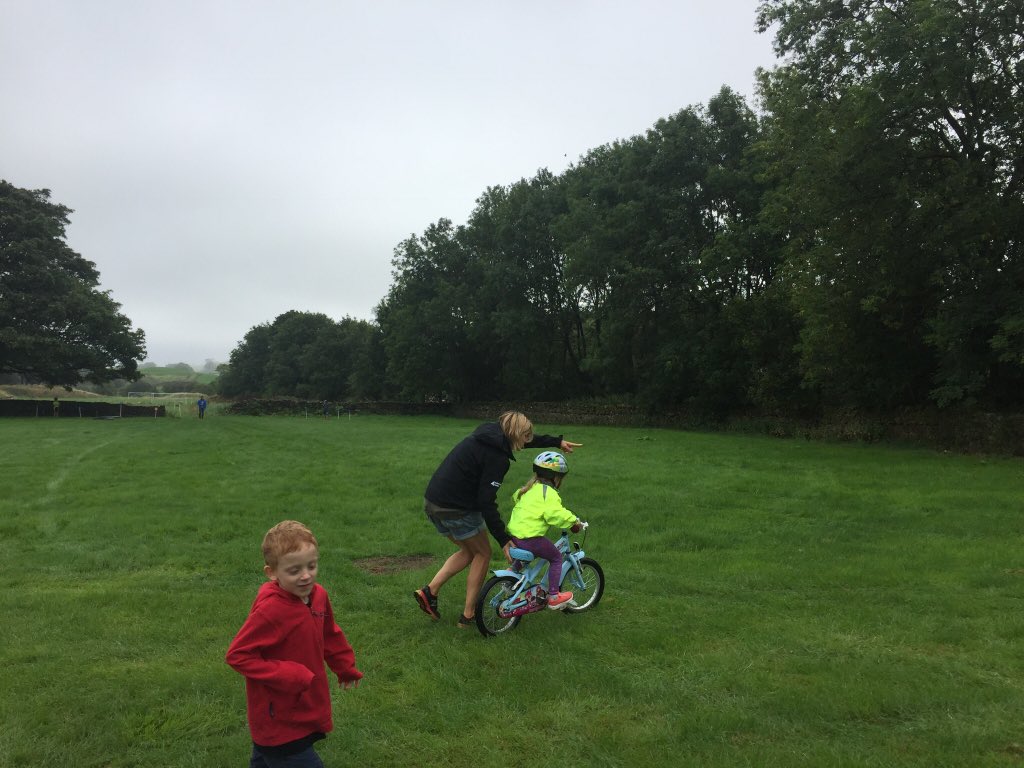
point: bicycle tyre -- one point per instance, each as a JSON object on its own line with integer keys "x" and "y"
{"x": 493, "y": 592}
{"x": 589, "y": 595}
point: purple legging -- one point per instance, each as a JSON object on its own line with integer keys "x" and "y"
{"x": 543, "y": 547}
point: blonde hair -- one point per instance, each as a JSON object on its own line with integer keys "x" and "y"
{"x": 556, "y": 483}
{"x": 529, "y": 484}
{"x": 287, "y": 536}
{"x": 517, "y": 428}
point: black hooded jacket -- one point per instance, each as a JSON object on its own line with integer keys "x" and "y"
{"x": 470, "y": 476}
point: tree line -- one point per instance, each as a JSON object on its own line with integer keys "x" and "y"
{"x": 852, "y": 239}
{"x": 855, "y": 242}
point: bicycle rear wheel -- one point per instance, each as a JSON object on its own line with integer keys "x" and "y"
{"x": 587, "y": 586}
{"x": 488, "y": 620}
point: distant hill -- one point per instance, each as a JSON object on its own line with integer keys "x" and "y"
{"x": 35, "y": 391}
{"x": 171, "y": 378}
{"x": 158, "y": 374}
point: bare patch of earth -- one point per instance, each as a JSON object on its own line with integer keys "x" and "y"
{"x": 393, "y": 563}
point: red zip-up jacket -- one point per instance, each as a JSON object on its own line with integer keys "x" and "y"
{"x": 281, "y": 650}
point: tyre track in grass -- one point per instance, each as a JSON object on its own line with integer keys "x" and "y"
{"x": 47, "y": 515}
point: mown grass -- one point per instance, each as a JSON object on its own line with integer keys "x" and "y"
{"x": 769, "y": 603}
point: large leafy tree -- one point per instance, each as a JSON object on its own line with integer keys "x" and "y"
{"x": 899, "y": 139}
{"x": 245, "y": 372}
{"x": 56, "y": 326}
{"x": 367, "y": 360}
{"x": 483, "y": 311}
{"x": 665, "y": 246}
{"x": 643, "y": 270}
{"x": 531, "y": 328}
{"x": 426, "y": 317}
{"x": 294, "y": 355}
{"x": 306, "y": 355}
{"x": 336, "y": 362}
{"x": 754, "y": 361}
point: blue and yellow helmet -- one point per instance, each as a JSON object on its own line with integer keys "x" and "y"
{"x": 550, "y": 462}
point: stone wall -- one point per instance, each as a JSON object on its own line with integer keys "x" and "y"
{"x": 960, "y": 431}
{"x": 86, "y": 409}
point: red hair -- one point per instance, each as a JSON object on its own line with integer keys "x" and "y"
{"x": 287, "y": 536}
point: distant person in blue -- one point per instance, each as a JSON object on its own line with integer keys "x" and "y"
{"x": 202, "y": 406}
{"x": 327, "y": 409}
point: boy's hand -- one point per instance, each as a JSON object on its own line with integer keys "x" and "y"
{"x": 505, "y": 549}
{"x": 349, "y": 684}
{"x": 570, "y": 447}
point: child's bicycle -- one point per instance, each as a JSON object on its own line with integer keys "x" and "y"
{"x": 509, "y": 595}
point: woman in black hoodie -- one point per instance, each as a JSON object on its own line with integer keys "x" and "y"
{"x": 461, "y": 500}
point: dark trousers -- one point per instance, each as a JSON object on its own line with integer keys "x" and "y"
{"x": 308, "y": 758}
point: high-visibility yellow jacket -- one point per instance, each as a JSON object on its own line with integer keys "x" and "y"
{"x": 536, "y": 510}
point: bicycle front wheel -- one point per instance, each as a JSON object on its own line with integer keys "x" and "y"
{"x": 587, "y": 585}
{"x": 489, "y": 620}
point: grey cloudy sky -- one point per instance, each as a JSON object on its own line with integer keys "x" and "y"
{"x": 228, "y": 161}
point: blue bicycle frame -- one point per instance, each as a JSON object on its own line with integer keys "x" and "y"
{"x": 534, "y": 569}
{"x": 511, "y": 593}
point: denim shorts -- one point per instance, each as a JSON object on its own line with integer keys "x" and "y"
{"x": 464, "y": 525}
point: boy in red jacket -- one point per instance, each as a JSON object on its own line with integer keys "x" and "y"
{"x": 281, "y": 650}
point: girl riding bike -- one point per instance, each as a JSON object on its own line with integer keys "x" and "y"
{"x": 538, "y": 506}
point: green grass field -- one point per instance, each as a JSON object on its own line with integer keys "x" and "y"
{"x": 769, "y": 603}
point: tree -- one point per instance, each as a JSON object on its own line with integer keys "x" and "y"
{"x": 664, "y": 247}
{"x": 331, "y": 361}
{"x": 56, "y": 326}
{"x": 426, "y": 316}
{"x": 245, "y": 373}
{"x": 899, "y": 141}
{"x": 368, "y": 362}
{"x": 305, "y": 355}
{"x": 529, "y": 329}
{"x": 290, "y": 367}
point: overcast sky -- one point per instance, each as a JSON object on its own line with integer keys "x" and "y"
{"x": 230, "y": 161}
